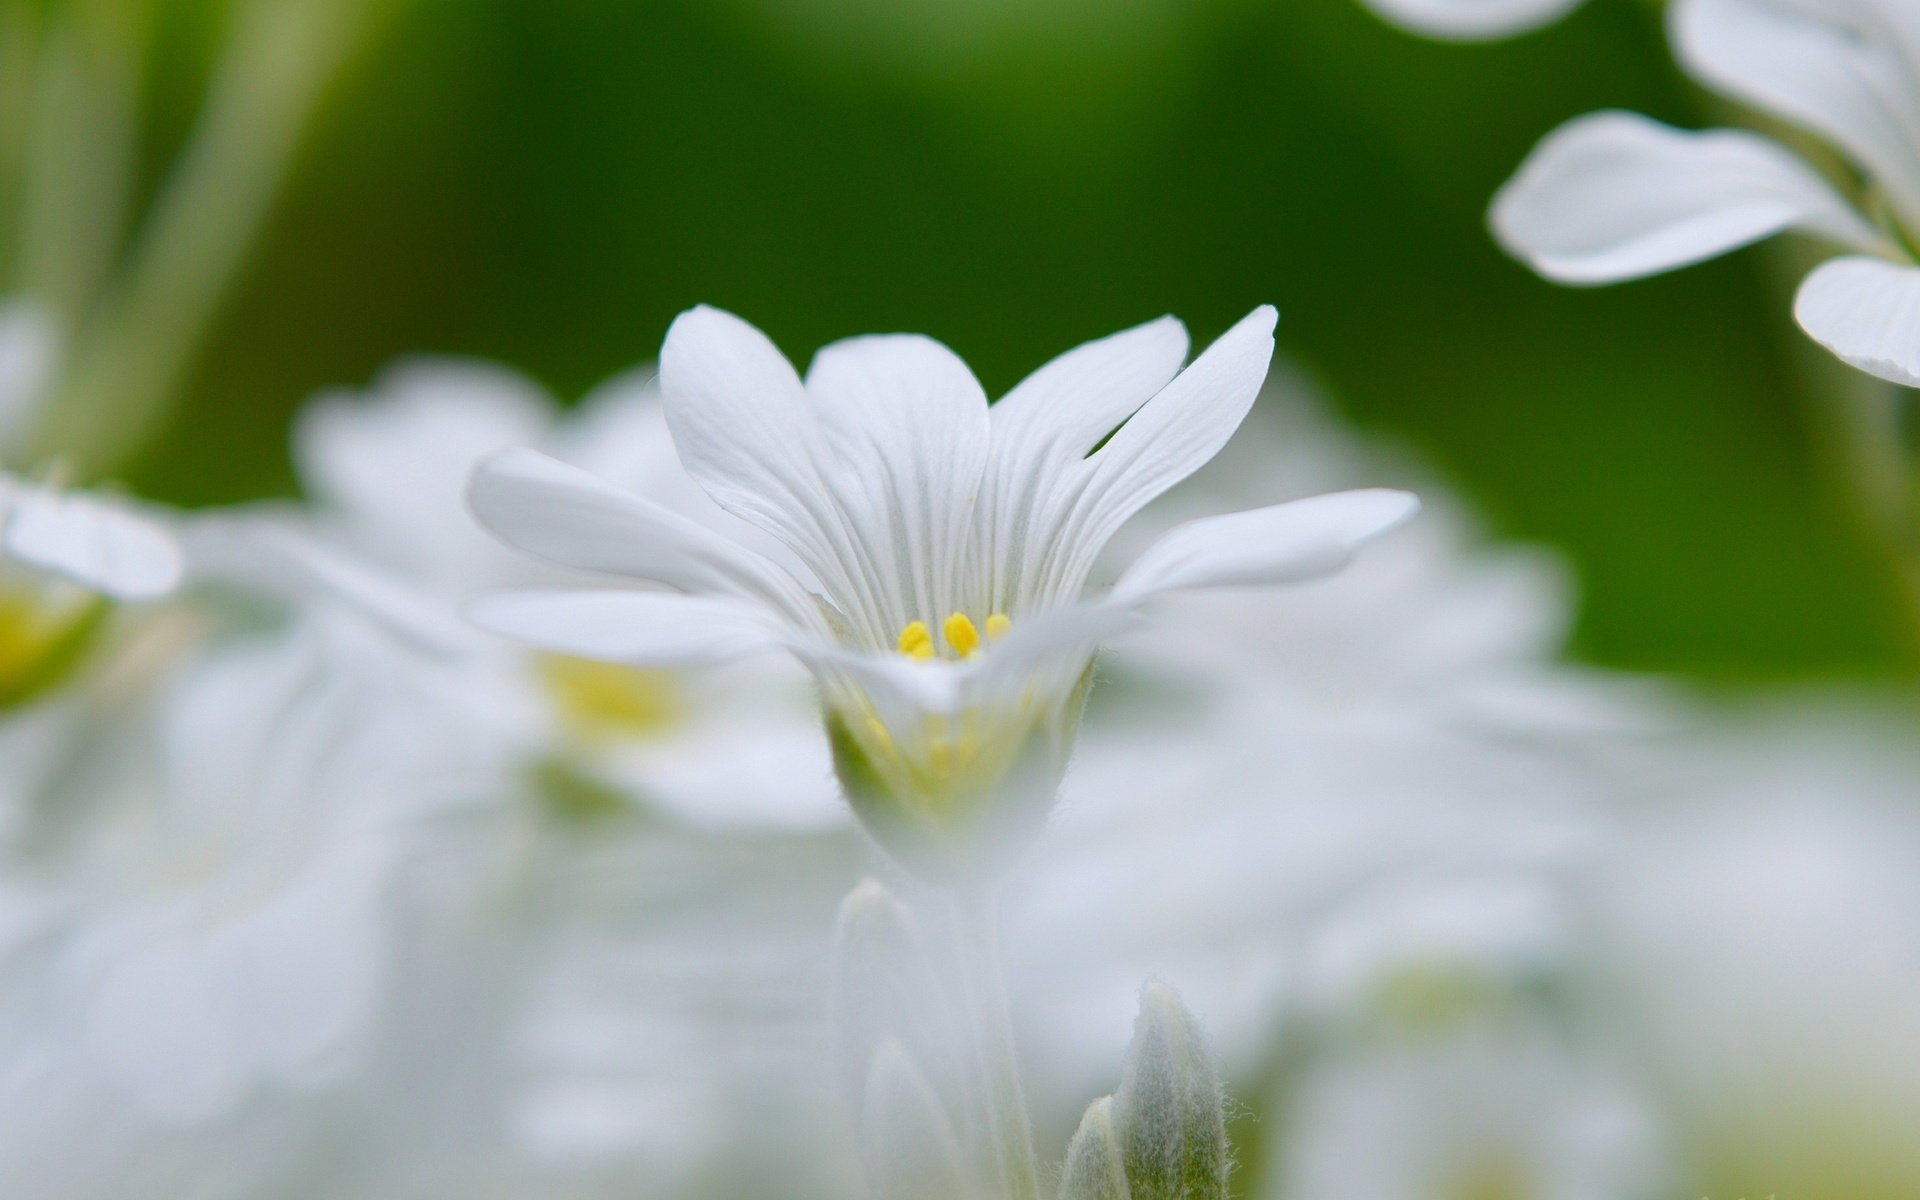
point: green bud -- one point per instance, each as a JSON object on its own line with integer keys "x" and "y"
{"x": 1170, "y": 1110}
{"x": 1096, "y": 1167}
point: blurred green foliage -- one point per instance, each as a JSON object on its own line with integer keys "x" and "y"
{"x": 546, "y": 182}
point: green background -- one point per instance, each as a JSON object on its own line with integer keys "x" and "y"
{"x": 547, "y": 182}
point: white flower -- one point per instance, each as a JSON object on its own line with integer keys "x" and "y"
{"x": 1493, "y": 1114}
{"x": 390, "y": 533}
{"x": 1472, "y": 20}
{"x": 1615, "y": 195}
{"x": 214, "y": 925}
{"x": 1763, "y": 933}
{"x": 939, "y": 548}
{"x": 1448, "y": 1053}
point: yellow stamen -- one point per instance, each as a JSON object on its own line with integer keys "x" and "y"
{"x": 607, "y": 701}
{"x": 916, "y": 640}
{"x": 878, "y": 731}
{"x": 961, "y": 635}
{"x": 998, "y": 626}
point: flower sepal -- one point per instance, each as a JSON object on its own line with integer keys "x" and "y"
{"x": 955, "y": 798}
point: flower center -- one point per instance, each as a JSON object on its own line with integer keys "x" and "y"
{"x": 962, "y": 636}
{"x": 603, "y": 702}
{"x": 42, "y": 639}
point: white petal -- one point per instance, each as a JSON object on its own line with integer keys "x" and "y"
{"x": 1867, "y": 311}
{"x": 1045, "y": 653}
{"x": 1284, "y": 543}
{"x": 283, "y": 559}
{"x": 900, "y": 689}
{"x": 1083, "y": 395}
{"x": 1173, "y": 435}
{"x": 29, "y": 342}
{"x": 1472, "y": 20}
{"x": 93, "y": 541}
{"x": 304, "y": 972}
{"x": 907, "y": 423}
{"x": 1842, "y": 68}
{"x": 162, "y": 1029}
{"x": 561, "y": 513}
{"x": 1615, "y": 195}
{"x": 395, "y": 460}
{"x": 1048, "y": 424}
{"x": 747, "y": 433}
{"x": 659, "y": 629}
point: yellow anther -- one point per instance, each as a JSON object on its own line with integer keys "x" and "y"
{"x": 961, "y": 635}
{"x": 877, "y": 730}
{"x": 916, "y": 640}
{"x": 998, "y": 626}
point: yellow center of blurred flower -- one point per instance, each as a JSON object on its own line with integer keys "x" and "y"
{"x": 961, "y": 634}
{"x": 1494, "y": 1177}
{"x": 600, "y": 701}
{"x": 42, "y": 637}
{"x": 1430, "y": 997}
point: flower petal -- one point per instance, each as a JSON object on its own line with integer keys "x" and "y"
{"x": 655, "y": 629}
{"x": 747, "y": 434}
{"x": 1049, "y": 423}
{"x": 29, "y": 341}
{"x": 567, "y": 516}
{"x": 1170, "y": 437}
{"x": 907, "y": 423}
{"x": 1867, "y": 311}
{"x": 1845, "y": 69}
{"x": 95, "y": 542}
{"x": 1083, "y": 395}
{"x": 395, "y": 459}
{"x": 1471, "y": 20}
{"x": 279, "y": 557}
{"x": 1284, "y": 543}
{"x": 1616, "y": 195}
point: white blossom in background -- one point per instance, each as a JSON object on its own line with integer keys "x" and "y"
{"x": 1261, "y": 758}
{"x": 1445, "y": 1048}
{"x": 1507, "y": 1114}
{"x": 1615, "y": 195}
{"x": 1472, "y": 20}
{"x": 936, "y": 549}
{"x": 212, "y": 936}
{"x": 1762, "y": 930}
{"x": 387, "y": 471}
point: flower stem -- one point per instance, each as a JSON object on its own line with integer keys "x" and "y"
{"x": 1006, "y": 1120}
{"x": 130, "y": 359}
{"x": 1862, "y": 448}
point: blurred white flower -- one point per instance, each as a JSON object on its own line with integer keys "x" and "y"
{"x": 1267, "y": 757}
{"x": 1487, "y": 1114}
{"x": 1445, "y": 1048}
{"x": 215, "y": 929}
{"x": 388, "y": 471}
{"x": 1615, "y": 196}
{"x": 939, "y": 548}
{"x": 1472, "y": 20}
{"x": 1763, "y": 930}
